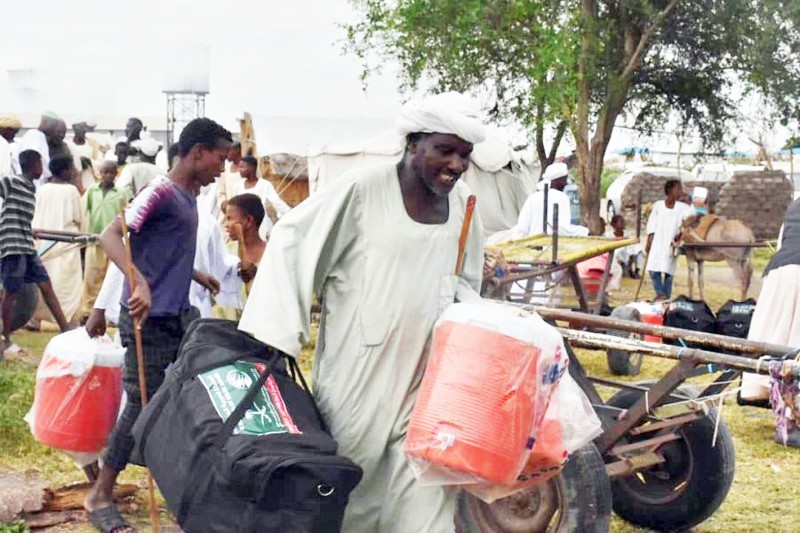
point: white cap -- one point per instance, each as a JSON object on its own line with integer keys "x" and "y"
{"x": 699, "y": 193}
{"x": 553, "y": 172}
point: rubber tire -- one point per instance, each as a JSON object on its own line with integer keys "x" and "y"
{"x": 705, "y": 489}
{"x": 27, "y": 300}
{"x": 583, "y": 482}
{"x": 620, "y": 362}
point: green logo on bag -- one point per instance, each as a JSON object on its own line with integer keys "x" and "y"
{"x": 227, "y": 386}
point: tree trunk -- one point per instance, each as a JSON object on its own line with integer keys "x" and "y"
{"x": 589, "y": 187}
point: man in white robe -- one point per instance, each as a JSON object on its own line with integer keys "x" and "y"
{"x": 83, "y": 153}
{"x": 379, "y": 247}
{"x": 48, "y": 140}
{"x": 531, "y": 217}
{"x": 9, "y": 126}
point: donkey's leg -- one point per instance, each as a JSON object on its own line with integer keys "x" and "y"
{"x": 700, "y": 282}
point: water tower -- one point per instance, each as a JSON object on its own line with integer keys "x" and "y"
{"x": 185, "y": 83}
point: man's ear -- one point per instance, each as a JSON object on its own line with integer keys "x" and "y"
{"x": 195, "y": 152}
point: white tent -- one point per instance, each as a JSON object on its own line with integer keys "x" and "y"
{"x": 499, "y": 180}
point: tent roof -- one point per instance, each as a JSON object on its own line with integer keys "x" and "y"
{"x": 491, "y": 155}
{"x": 307, "y": 135}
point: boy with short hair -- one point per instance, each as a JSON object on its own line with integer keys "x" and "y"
{"x": 663, "y": 234}
{"x": 101, "y": 203}
{"x": 630, "y": 257}
{"x": 162, "y": 220}
{"x": 247, "y": 211}
{"x": 19, "y": 262}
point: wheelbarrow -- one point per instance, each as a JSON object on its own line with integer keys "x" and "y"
{"x": 665, "y": 459}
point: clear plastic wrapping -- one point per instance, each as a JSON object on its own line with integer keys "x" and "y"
{"x": 496, "y": 411}
{"x": 78, "y": 392}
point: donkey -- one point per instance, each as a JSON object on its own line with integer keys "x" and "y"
{"x": 722, "y": 230}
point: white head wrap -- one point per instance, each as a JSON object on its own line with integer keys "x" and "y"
{"x": 148, "y": 146}
{"x": 553, "y": 172}
{"x": 451, "y": 113}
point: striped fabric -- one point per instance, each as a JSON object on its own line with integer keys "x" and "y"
{"x": 19, "y": 203}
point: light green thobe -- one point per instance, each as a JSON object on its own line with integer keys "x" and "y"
{"x": 383, "y": 280}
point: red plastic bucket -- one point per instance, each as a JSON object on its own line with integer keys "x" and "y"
{"x": 76, "y": 413}
{"x": 591, "y": 273}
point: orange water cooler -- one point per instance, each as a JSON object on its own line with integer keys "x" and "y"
{"x": 487, "y": 384}
{"x": 651, "y": 313}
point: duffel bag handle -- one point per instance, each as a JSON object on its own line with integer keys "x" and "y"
{"x": 295, "y": 369}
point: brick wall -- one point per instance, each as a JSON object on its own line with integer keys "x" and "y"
{"x": 652, "y": 188}
{"x": 759, "y": 199}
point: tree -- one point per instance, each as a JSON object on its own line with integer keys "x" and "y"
{"x": 582, "y": 63}
{"x": 513, "y": 52}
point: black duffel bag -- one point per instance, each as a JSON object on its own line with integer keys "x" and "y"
{"x": 733, "y": 318}
{"x": 694, "y": 315}
{"x": 235, "y": 444}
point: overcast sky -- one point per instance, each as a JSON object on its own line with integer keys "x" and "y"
{"x": 266, "y": 57}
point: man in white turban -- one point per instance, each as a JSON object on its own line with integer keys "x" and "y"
{"x": 531, "y": 217}
{"x": 379, "y": 248}
{"x": 48, "y": 140}
{"x": 9, "y": 126}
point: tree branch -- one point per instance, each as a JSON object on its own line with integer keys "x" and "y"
{"x": 560, "y": 131}
{"x": 644, "y": 41}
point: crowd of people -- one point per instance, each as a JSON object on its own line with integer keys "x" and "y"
{"x": 77, "y": 184}
{"x": 355, "y": 247}
{"x": 377, "y": 250}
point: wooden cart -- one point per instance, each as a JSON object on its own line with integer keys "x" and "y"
{"x": 546, "y": 256}
{"x": 665, "y": 459}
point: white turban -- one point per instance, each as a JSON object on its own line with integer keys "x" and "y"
{"x": 553, "y": 172}
{"x": 451, "y": 113}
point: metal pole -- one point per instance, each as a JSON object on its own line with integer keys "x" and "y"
{"x": 715, "y": 244}
{"x": 638, "y": 216}
{"x": 753, "y": 348}
{"x": 555, "y": 234}
{"x": 599, "y": 341}
{"x": 546, "y": 194}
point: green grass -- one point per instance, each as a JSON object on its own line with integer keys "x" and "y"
{"x": 763, "y": 497}
{"x": 607, "y": 178}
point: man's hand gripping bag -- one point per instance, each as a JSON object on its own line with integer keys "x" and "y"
{"x": 235, "y": 444}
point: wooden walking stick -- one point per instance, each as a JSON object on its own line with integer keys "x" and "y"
{"x": 137, "y": 335}
{"x": 242, "y": 254}
{"x": 462, "y": 240}
{"x": 641, "y": 278}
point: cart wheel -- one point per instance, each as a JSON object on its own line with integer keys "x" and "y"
{"x": 578, "y": 499}
{"x": 620, "y": 362}
{"x": 27, "y": 300}
{"x": 690, "y": 486}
